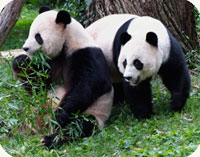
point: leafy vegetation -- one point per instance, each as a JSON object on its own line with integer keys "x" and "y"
{"x": 193, "y": 57}
{"x": 165, "y": 134}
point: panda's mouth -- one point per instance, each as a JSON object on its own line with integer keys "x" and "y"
{"x": 31, "y": 53}
{"x": 133, "y": 82}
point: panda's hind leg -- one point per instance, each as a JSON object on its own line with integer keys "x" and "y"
{"x": 175, "y": 75}
{"x": 139, "y": 98}
{"x": 178, "y": 83}
{"x": 86, "y": 124}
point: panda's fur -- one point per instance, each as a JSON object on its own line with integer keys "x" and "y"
{"x": 138, "y": 48}
{"x": 99, "y": 109}
{"x": 74, "y": 31}
{"x": 103, "y": 31}
{"x": 3, "y": 152}
{"x": 78, "y": 60}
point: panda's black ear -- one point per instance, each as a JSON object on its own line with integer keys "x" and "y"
{"x": 124, "y": 38}
{"x": 152, "y": 39}
{"x": 63, "y": 17}
{"x": 43, "y": 9}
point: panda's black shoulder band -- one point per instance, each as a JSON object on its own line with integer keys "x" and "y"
{"x": 117, "y": 41}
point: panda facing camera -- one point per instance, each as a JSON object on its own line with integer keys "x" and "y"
{"x": 136, "y": 49}
{"x": 76, "y": 58}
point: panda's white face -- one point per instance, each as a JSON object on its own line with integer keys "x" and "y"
{"x": 46, "y": 34}
{"x": 139, "y": 59}
{"x": 144, "y": 47}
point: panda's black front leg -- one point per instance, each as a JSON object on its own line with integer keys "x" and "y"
{"x": 118, "y": 93}
{"x": 139, "y": 98}
{"x": 75, "y": 101}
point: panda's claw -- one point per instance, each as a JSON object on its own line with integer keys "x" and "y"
{"x": 47, "y": 141}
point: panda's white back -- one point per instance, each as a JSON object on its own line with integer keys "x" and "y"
{"x": 79, "y": 38}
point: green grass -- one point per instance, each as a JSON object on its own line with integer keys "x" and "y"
{"x": 165, "y": 134}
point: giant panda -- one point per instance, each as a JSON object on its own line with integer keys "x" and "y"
{"x": 136, "y": 48}
{"x": 76, "y": 58}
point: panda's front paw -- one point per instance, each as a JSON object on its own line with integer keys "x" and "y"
{"x": 19, "y": 63}
{"x": 178, "y": 101}
{"x": 48, "y": 141}
{"x": 53, "y": 141}
{"x": 176, "y": 106}
{"x": 144, "y": 114}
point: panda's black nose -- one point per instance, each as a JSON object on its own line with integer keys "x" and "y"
{"x": 127, "y": 78}
{"x": 25, "y": 48}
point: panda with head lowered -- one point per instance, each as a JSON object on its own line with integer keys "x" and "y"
{"x": 76, "y": 58}
{"x": 136, "y": 48}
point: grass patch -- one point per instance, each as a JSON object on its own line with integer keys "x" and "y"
{"x": 165, "y": 134}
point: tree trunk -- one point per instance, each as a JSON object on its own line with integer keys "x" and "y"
{"x": 177, "y": 15}
{"x": 9, "y": 17}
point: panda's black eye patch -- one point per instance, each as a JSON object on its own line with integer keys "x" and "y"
{"x": 38, "y": 38}
{"x": 138, "y": 64}
{"x": 124, "y": 63}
